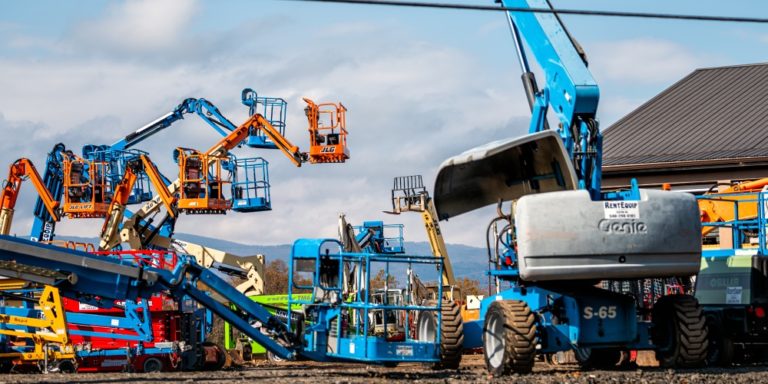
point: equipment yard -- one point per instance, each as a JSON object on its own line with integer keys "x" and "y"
{"x": 644, "y": 281}
{"x": 473, "y": 370}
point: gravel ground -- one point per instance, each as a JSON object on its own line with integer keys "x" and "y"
{"x": 472, "y": 370}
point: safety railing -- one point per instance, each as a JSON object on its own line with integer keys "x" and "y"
{"x": 344, "y": 282}
{"x": 748, "y": 226}
{"x": 274, "y": 109}
{"x": 118, "y": 162}
{"x": 145, "y": 258}
{"x": 250, "y": 187}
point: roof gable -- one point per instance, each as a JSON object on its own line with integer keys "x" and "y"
{"x": 711, "y": 114}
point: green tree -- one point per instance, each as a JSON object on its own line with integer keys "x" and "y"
{"x": 468, "y": 286}
{"x": 276, "y": 277}
{"x": 377, "y": 282}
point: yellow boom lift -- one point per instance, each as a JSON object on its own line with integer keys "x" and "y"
{"x": 720, "y": 207}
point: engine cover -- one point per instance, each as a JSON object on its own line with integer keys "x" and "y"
{"x": 567, "y": 236}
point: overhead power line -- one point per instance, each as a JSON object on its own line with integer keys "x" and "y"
{"x": 471, "y": 7}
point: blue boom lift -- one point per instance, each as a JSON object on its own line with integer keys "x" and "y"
{"x": 563, "y": 234}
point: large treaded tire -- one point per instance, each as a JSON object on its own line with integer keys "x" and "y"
{"x": 679, "y": 332}
{"x": 451, "y": 333}
{"x": 509, "y": 338}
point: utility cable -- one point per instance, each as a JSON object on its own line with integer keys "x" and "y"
{"x": 470, "y": 7}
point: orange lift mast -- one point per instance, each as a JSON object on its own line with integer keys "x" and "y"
{"x": 21, "y": 170}
{"x": 110, "y": 229}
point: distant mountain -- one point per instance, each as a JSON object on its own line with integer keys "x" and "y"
{"x": 467, "y": 261}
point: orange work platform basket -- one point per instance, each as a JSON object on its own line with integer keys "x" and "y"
{"x": 205, "y": 182}
{"x": 327, "y": 132}
{"x": 87, "y": 193}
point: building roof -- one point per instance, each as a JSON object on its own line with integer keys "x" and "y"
{"x": 713, "y": 115}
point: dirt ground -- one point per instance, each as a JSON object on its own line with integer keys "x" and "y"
{"x": 473, "y": 370}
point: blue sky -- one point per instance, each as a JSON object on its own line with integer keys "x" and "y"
{"x": 420, "y": 85}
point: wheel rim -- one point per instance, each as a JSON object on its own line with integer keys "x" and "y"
{"x": 427, "y": 328}
{"x": 494, "y": 342}
{"x": 274, "y": 357}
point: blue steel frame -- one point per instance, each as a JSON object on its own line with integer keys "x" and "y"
{"x": 737, "y": 226}
{"x": 357, "y": 344}
{"x": 250, "y": 186}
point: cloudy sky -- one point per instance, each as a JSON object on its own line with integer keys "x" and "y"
{"x": 420, "y": 86}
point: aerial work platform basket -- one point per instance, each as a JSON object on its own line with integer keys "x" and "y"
{"x": 250, "y": 188}
{"x": 327, "y": 132}
{"x": 273, "y": 109}
{"x": 87, "y": 193}
{"x": 117, "y": 161}
{"x": 204, "y": 180}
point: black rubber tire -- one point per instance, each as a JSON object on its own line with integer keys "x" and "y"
{"x": 518, "y": 340}
{"x": 152, "y": 365}
{"x": 67, "y": 366}
{"x": 679, "y": 332}
{"x": 247, "y": 352}
{"x": 451, "y": 333}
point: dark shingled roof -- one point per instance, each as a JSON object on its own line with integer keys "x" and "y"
{"x": 712, "y": 114}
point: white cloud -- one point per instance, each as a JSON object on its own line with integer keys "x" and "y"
{"x": 411, "y": 105}
{"x": 615, "y": 106}
{"x": 139, "y": 26}
{"x": 642, "y": 60}
{"x": 349, "y": 29}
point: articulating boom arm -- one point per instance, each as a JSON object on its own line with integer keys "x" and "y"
{"x": 283, "y": 144}
{"x": 110, "y": 231}
{"x": 232, "y": 140}
{"x": 20, "y": 170}
{"x": 203, "y": 108}
{"x": 410, "y": 195}
{"x": 569, "y": 88}
{"x": 44, "y": 225}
